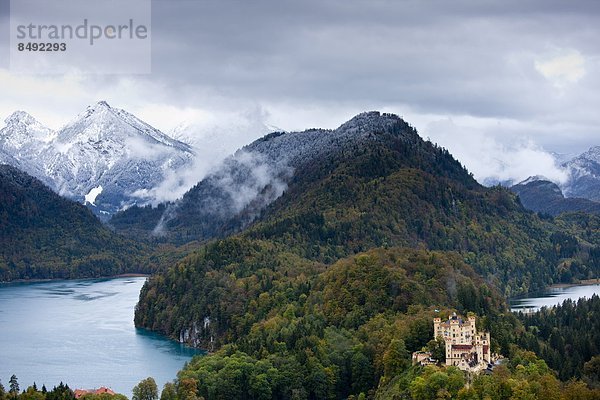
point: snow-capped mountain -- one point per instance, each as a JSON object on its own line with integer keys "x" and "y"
{"x": 579, "y": 192}
{"x": 103, "y": 157}
{"x": 22, "y": 141}
{"x": 584, "y": 175}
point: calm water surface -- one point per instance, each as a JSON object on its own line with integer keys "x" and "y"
{"x": 552, "y": 297}
{"x": 81, "y": 332}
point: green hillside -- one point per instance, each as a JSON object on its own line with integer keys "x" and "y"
{"x": 349, "y": 265}
{"x": 43, "y": 235}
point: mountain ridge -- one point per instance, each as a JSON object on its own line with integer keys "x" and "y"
{"x": 102, "y": 147}
{"x": 544, "y": 196}
{"x": 45, "y": 236}
{"x": 275, "y": 156}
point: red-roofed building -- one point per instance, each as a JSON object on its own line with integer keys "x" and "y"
{"x": 102, "y": 390}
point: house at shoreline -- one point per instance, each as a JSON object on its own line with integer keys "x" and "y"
{"x": 102, "y": 390}
{"x": 466, "y": 348}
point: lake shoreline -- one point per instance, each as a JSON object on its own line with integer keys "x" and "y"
{"x": 39, "y": 280}
{"x": 554, "y": 295}
{"x": 584, "y": 282}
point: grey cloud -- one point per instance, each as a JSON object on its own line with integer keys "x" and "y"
{"x": 429, "y": 59}
{"x": 439, "y": 56}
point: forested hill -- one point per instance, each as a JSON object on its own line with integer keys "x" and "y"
{"x": 345, "y": 269}
{"x": 43, "y": 235}
{"x": 326, "y": 194}
{"x": 234, "y": 194}
{"x": 388, "y": 189}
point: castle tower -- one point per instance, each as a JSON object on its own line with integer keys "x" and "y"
{"x": 437, "y": 330}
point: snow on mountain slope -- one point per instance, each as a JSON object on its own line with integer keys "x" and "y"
{"x": 587, "y": 163}
{"x": 256, "y": 175}
{"x": 25, "y": 131}
{"x": 294, "y": 148}
{"x": 534, "y": 178}
{"x": 6, "y": 158}
{"x": 102, "y": 147}
{"x": 584, "y": 175}
{"x": 108, "y": 147}
{"x": 22, "y": 140}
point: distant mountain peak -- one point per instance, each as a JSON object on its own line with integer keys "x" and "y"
{"x": 102, "y": 147}
{"x": 584, "y": 175}
{"x": 534, "y": 178}
{"x": 20, "y": 117}
{"x": 593, "y": 154}
{"x": 102, "y": 103}
{"x": 103, "y": 122}
{"x": 23, "y": 130}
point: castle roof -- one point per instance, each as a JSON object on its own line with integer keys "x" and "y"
{"x": 462, "y": 346}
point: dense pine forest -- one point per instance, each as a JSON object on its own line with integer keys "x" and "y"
{"x": 567, "y": 337}
{"x": 45, "y": 236}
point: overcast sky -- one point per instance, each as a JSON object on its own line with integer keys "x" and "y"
{"x": 498, "y": 83}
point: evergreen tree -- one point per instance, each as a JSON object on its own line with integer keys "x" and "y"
{"x": 14, "y": 386}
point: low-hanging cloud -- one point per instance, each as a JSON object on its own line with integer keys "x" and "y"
{"x": 213, "y": 138}
{"x": 241, "y": 186}
{"x": 261, "y": 175}
{"x": 493, "y": 161}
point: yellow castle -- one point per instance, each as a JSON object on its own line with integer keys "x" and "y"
{"x": 466, "y": 348}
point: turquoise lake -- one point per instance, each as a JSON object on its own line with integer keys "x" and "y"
{"x": 81, "y": 332}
